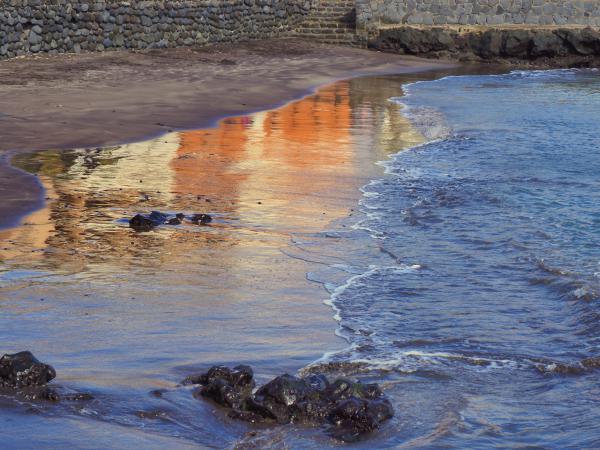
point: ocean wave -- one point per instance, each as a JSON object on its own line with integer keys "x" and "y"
{"x": 353, "y": 362}
{"x": 570, "y": 285}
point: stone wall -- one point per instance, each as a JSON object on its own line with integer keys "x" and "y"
{"x": 332, "y": 22}
{"x": 371, "y": 14}
{"x": 58, "y": 26}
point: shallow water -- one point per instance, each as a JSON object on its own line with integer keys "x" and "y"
{"x": 466, "y": 280}
{"x": 483, "y": 300}
{"x": 120, "y": 313}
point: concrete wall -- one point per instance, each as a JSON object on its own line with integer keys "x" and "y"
{"x": 58, "y": 26}
{"x": 372, "y": 13}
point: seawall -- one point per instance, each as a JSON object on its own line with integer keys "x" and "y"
{"x": 372, "y": 14}
{"x": 58, "y": 26}
{"x": 542, "y": 32}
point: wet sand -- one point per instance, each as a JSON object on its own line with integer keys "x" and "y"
{"x": 121, "y": 313}
{"x": 94, "y": 100}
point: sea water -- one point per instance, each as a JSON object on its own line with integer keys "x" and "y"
{"x": 478, "y": 304}
{"x": 465, "y": 282}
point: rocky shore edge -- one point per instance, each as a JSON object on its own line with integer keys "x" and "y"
{"x": 349, "y": 409}
{"x": 537, "y": 47}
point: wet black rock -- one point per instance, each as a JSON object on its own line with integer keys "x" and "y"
{"x": 354, "y": 417}
{"x": 40, "y": 393}
{"x": 148, "y": 222}
{"x": 201, "y": 219}
{"x": 141, "y": 223}
{"x": 23, "y": 376}
{"x": 350, "y": 408}
{"x": 23, "y": 369}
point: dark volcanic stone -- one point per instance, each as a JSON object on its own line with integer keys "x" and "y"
{"x": 40, "y": 393}
{"x": 227, "y": 387}
{"x": 527, "y": 44}
{"x": 352, "y": 409}
{"x": 223, "y": 393}
{"x": 23, "y": 369}
{"x": 141, "y": 223}
{"x": 281, "y": 397}
{"x": 354, "y": 417}
{"x": 201, "y": 219}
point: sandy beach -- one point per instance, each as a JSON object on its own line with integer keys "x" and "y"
{"x": 96, "y": 100}
{"x": 140, "y": 311}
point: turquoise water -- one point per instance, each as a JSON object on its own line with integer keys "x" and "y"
{"x": 479, "y": 301}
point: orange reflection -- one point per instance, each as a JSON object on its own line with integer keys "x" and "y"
{"x": 292, "y": 169}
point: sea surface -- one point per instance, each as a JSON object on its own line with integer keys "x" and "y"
{"x": 450, "y": 227}
{"x": 482, "y": 311}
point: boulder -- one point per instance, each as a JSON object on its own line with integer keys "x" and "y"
{"x": 23, "y": 369}
{"x": 350, "y": 408}
{"x": 141, "y": 223}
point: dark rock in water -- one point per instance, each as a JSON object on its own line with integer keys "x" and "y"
{"x": 23, "y": 369}
{"x": 78, "y": 397}
{"x": 23, "y": 376}
{"x": 201, "y": 219}
{"x": 223, "y": 393}
{"x": 227, "y": 387}
{"x": 141, "y": 223}
{"x": 281, "y": 397}
{"x": 158, "y": 217}
{"x": 146, "y": 223}
{"x": 43, "y": 393}
{"x": 246, "y": 416}
{"x": 354, "y": 417}
{"x": 352, "y": 408}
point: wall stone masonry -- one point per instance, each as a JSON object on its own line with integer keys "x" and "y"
{"x": 372, "y": 14}
{"x": 59, "y": 26}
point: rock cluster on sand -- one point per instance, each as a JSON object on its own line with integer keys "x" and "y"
{"x": 141, "y": 222}
{"x": 350, "y": 408}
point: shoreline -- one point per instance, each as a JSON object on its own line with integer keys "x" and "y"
{"x": 56, "y": 114}
{"x": 274, "y": 313}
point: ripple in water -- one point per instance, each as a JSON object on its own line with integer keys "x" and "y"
{"x": 471, "y": 283}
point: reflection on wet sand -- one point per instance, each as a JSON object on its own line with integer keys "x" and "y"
{"x": 120, "y": 312}
{"x": 288, "y": 170}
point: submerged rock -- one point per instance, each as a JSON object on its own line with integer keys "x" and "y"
{"x": 23, "y": 369}
{"x": 350, "y": 408}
